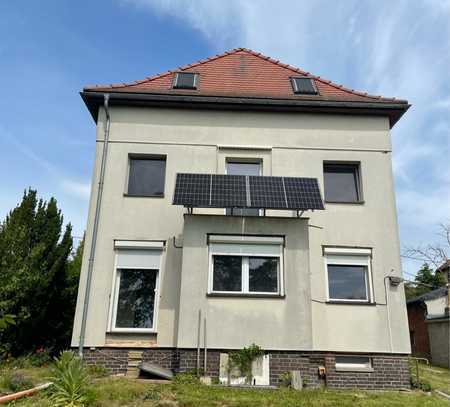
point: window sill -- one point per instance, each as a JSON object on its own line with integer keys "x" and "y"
{"x": 132, "y": 331}
{"x": 142, "y": 196}
{"x": 345, "y": 203}
{"x": 355, "y": 369}
{"x": 350, "y": 302}
{"x": 246, "y": 295}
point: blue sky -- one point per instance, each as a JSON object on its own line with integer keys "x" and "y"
{"x": 50, "y": 49}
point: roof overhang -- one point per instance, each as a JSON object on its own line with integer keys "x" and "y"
{"x": 394, "y": 110}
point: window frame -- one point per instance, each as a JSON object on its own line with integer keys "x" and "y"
{"x": 245, "y": 292}
{"x": 114, "y": 296}
{"x": 349, "y": 257}
{"x": 175, "y": 81}
{"x": 138, "y": 156}
{"x": 353, "y": 367}
{"x": 359, "y": 185}
{"x": 297, "y": 91}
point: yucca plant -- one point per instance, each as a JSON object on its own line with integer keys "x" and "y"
{"x": 70, "y": 382}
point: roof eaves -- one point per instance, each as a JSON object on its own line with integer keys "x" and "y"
{"x": 393, "y": 110}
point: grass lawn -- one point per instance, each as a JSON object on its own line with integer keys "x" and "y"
{"x": 438, "y": 377}
{"x": 120, "y": 391}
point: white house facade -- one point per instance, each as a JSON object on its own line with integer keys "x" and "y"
{"x": 239, "y": 200}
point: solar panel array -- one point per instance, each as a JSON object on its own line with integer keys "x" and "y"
{"x": 240, "y": 191}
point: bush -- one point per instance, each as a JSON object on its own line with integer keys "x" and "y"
{"x": 14, "y": 382}
{"x": 70, "y": 382}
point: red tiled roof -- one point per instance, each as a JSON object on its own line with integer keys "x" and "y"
{"x": 242, "y": 73}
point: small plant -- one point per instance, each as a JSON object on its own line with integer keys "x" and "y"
{"x": 14, "y": 382}
{"x": 243, "y": 359}
{"x": 152, "y": 394}
{"x": 420, "y": 385}
{"x": 285, "y": 379}
{"x": 70, "y": 382}
{"x": 186, "y": 378}
{"x": 97, "y": 371}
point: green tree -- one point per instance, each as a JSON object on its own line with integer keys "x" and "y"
{"x": 34, "y": 275}
{"x": 425, "y": 281}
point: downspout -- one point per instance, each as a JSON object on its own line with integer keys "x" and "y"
{"x": 95, "y": 228}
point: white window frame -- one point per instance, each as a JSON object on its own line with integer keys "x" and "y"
{"x": 114, "y": 297}
{"x": 343, "y": 256}
{"x": 245, "y": 255}
{"x": 355, "y": 367}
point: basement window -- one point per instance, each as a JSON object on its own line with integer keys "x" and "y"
{"x": 245, "y": 268}
{"x": 348, "y": 275}
{"x": 185, "y": 80}
{"x": 353, "y": 363}
{"x": 303, "y": 86}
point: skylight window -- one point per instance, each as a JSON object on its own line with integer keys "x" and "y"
{"x": 304, "y": 86}
{"x": 185, "y": 80}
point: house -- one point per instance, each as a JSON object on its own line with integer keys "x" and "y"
{"x": 240, "y": 200}
{"x": 429, "y": 323}
{"x": 444, "y": 269}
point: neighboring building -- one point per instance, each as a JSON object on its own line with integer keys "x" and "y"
{"x": 236, "y": 248}
{"x": 444, "y": 269}
{"x": 429, "y": 323}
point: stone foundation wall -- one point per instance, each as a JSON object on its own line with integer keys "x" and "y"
{"x": 389, "y": 371}
{"x": 114, "y": 360}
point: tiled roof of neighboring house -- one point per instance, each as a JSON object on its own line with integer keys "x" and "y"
{"x": 432, "y": 295}
{"x": 243, "y": 73}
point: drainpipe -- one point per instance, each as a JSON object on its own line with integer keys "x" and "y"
{"x": 95, "y": 228}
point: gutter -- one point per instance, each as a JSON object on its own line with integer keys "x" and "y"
{"x": 394, "y": 110}
{"x": 95, "y": 228}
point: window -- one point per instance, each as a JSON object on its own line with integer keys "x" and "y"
{"x": 342, "y": 183}
{"x": 304, "y": 86}
{"x": 243, "y": 168}
{"x": 249, "y": 265}
{"x": 146, "y": 176}
{"x": 185, "y": 80}
{"x": 348, "y": 274}
{"x": 355, "y": 363}
{"x": 135, "y": 290}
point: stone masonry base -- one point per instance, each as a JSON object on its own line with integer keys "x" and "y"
{"x": 388, "y": 371}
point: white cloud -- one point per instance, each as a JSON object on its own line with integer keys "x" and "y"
{"x": 78, "y": 189}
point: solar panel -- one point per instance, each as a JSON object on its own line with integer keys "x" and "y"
{"x": 228, "y": 191}
{"x": 267, "y": 192}
{"x": 240, "y": 191}
{"x": 192, "y": 190}
{"x": 303, "y": 193}
{"x": 304, "y": 86}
